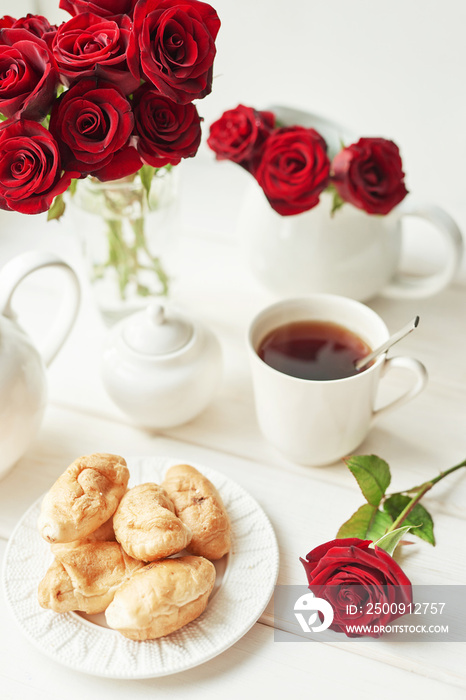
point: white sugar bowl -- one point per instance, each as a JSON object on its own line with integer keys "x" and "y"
{"x": 160, "y": 367}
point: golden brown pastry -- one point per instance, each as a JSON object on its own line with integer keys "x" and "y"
{"x": 161, "y": 597}
{"x": 146, "y": 526}
{"x": 83, "y": 497}
{"x": 85, "y": 577}
{"x": 104, "y": 533}
{"x": 199, "y": 506}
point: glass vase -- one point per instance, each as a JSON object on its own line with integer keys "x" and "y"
{"x": 126, "y": 231}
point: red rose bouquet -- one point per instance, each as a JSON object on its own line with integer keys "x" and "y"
{"x": 292, "y": 166}
{"x": 107, "y": 94}
{"x": 104, "y": 94}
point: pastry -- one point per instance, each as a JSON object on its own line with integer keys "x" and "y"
{"x": 161, "y": 597}
{"x": 146, "y": 526}
{"x": 85, "y": 577}
{"x": 104, "y": 533}
{"x": 83, "y": 497}
{"x": 198, "y": 504}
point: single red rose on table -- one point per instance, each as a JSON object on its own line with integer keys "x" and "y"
{"x": 88, "y": 46}
{"x": 31, "y": 174}
{"x": 294, "y": 169}
{"x": 173, "y": 47}
{"x": 363, "y": 584}
{"x": 239, "y": 135}
{"x": 28, "y": 75}
{"x": 166, "y": 131}
{"x": 103, "y": 8}
{"x": 369, "y": 175}
{"x": 92, "y": 123}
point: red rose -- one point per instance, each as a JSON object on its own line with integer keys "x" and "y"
{"x": 28, "y": 75}
{"x": 239, "y": 135}
{"x": 348, "y": 572}
{"x": 88, "y": 45}
{"x": 173, "y": 46}
{"x": 36, "y": 24}
{"x": 166, "y": 131}
{"x": 294, "y": 169}
{"x": 7, "y": 21}
{"x": 103, "y": 8}
{"x": 92, "y": 123}
{"x": 369, "y": 175}
{"x": 30, "y": 168}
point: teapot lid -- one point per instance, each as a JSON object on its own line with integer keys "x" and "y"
{"x": 153, "y": 332}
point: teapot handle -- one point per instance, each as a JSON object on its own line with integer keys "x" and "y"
{"x": 15, "y": 271}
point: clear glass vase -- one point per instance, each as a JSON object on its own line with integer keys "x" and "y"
{"x": 125, "y": 232}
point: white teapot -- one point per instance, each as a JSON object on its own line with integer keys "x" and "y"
{"x": 160, "y": 367}
{"x": 23, "y": 385}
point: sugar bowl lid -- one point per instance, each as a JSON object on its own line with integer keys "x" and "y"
{"x": 155, "y": 331}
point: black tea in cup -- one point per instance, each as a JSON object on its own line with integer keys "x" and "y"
{"x": 317, "y": 350}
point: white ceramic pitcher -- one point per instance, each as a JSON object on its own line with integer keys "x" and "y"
{"x": 23, "y": 385}
{"x": 352, "y": 253}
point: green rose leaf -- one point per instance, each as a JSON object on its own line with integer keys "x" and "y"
{"x": 367, "y": 523}
{"x": 72, "y": 187}
{"x": 57, "y": 209}
{"x": 146, "y": 173}
{"x": 389, "y": 541}
{"x": 372, "y": 474}
{"x": 418, "y": 518}
{"x": 337, "y": 202}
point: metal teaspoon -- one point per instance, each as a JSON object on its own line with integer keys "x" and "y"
{"x": 388, "y": 344}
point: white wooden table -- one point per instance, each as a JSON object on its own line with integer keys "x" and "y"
{"x": 305, "y": 505}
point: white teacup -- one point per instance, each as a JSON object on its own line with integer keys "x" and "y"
{"x": 318, "y": 422}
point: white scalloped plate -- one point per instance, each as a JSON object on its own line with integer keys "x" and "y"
{"x": 245, "y": 581}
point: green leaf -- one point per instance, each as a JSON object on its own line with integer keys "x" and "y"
{"x": 389, "y": 541}
{"x": 146, "y": 173}
{"x": 418, "y": 518}
{"x": 72, "y": 187}
{"x": 3, "y": 118}
{"x": 367, "y": 523}
{"x": 337, "y": 203}
{"x": 372, "y": 475}
{"x": 143, "y": 290}
{"x": 57, "y": 209}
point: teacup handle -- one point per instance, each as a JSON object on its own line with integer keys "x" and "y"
{"x": 405, "y": 286}
{"x": 416, "y": 368}
{"x": 15, "y": 271}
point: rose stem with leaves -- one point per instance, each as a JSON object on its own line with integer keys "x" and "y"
{"x": 384, "y": 526}
{"x": 419, "y": 492}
